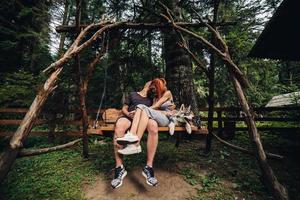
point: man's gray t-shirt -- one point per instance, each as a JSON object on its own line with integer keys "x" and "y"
{"x": 135, "y": 99}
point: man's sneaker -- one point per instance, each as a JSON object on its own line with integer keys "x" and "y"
{"x": 120, "y": 174}
{"x": 130, "y": 149}
{"x": 128, "y": 138}
{"x": 148, "y": 173}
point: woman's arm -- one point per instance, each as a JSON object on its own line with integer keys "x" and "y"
{"x": 167, "y": 96}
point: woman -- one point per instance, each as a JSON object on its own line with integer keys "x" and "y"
{"x": 162, "y": 105}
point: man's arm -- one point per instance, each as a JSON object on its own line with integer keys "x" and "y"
{"x": 125, "y": 110}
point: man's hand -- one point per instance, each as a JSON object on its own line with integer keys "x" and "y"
{"x": 131, "y": 114}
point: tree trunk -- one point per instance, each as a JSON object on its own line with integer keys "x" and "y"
{"x": 179, "y": 67}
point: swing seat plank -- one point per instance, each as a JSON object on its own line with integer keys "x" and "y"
{"x": 111, "y": 115}
{"x": 111, "y": 127}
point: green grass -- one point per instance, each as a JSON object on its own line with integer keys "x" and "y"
{"x": 58, "y": 175}
{"x": 223, "y": 174}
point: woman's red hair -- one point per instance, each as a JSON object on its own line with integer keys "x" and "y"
{"x": 159, "y": 86}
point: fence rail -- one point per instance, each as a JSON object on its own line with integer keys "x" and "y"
{"x": 225, "y": 116}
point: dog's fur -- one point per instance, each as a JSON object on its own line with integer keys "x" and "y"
{"x": 183, "y": 116}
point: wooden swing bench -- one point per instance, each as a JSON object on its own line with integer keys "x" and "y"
{"x": 110, "y": 116}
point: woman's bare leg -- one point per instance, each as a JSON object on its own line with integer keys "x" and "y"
{"x": 135, "y": 121}
{"x": 142, "y": 124}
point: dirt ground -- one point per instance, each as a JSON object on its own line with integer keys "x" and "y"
{"x": 171, "y": 187}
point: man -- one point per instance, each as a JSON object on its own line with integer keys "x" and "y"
{"x": 122, "y": 125}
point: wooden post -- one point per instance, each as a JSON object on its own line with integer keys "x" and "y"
{"x": 211, "y": 79}
{"x": 220, "y": 125}
{"x": 81, "y": 89}
{"x": 84, "y": 115}
{"x": 51, "y": 126}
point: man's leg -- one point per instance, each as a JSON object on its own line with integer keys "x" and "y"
{"x": 152, "y": 141}
{"x": 121, "y": 126}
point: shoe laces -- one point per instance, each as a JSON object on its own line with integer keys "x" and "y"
{"x": 149, "y": 171}
{"x": 119, "y": 172}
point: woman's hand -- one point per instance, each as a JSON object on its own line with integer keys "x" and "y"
{"x": 172, "y": 107}
{"x": 131, "y": 114}
{"x": 170, "y": 113}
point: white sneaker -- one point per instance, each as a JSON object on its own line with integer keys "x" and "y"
{"x": 130, "y": 149}
{"x": 128, "y": 138}
{"x": 171, "y": 128}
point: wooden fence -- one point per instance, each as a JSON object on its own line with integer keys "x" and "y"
{"x": 226, "y": 118}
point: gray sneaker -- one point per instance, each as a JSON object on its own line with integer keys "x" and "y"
{"x": 130, "y": 149}
{"x": 120, "y": 174}
{"x": 148, "y": 173}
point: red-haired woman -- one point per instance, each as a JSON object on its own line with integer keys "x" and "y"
{"x": 162, "y": 104}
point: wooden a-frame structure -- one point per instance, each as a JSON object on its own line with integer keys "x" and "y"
{"x": 218, "y": 47}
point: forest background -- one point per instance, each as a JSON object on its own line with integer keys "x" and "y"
{"x": 29, "y": 43}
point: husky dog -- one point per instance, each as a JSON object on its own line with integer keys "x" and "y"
{"x": 183, "y": 116}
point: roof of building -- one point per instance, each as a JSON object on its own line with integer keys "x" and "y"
{"x": 289, "y": 99}
{"x": 280, "y": 38}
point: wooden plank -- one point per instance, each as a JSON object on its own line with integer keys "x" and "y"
{"x": 42, "y": 121}
{"x": 13, "y": 110}
{"x": 270, "y": 128}
{"x": 44, "y": 133}
{"x": 111, "y": 127}
{"x": 100, "y": 131}
{"x": 79, "y": 123}
{"x": 275, "y": 119}
{"x": 17, "y": 122}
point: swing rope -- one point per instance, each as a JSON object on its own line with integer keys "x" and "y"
{"x": 95, "y": 125}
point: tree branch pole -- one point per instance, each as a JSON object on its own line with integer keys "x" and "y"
{"x": 141, "y": 25}
{"x": 80, "y": 87}
{"x": 241, "y": 149}
{"x": 9, "y": 155}
{"x": 83, "y": 86}
{"x": 34, "y": 152}
{"x": 241, "y": 77}
{"x": 201, "y": 65}
{"x": 278, "y": 191}
{"x": 197, "y": 61}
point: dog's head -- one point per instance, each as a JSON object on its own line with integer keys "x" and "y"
{"x": 185, "y": 112}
